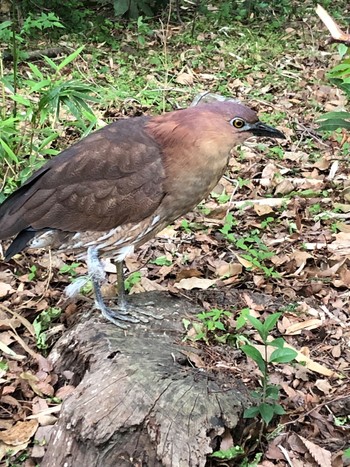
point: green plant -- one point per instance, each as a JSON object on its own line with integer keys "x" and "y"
{"x": 70, "y": 269}
{"x": 222, "y": 198}
{"x": 37, "y": 108}
{"x": 162, "y": 261}
{"x": 340, "y": 77}
{"x": 33, "y": 271}
{"x": 256, "y": 252}
{"x": 210, "y": 323}
{"x": 42, "y": 324}
{"x": 133, "y": 279}
{"x": 226, "y": 230}
{"x": 267, "y": 221}
{"x": 143, "y": 30}
{"x": 228, "y": 454}
{"x": 267, "y": 396}
{"x": 3, "y": 366}
{"x": 276, "y": 151}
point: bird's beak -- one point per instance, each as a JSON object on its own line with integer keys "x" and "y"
{"x": 261, "y": 129}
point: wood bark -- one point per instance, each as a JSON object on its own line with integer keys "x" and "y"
{"x": 139, "y": 401}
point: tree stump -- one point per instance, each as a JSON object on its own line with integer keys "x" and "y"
{"x": 138, "y": 400}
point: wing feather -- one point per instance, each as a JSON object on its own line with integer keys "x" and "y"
{"x": 113, "y": 176}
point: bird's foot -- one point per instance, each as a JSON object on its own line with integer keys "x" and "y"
{"x": 127, "y": 313}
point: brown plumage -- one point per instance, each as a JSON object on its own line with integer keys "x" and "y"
{"x": 122, "y": 184}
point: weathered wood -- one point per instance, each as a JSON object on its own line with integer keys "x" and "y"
{"x": 138, "y": 401}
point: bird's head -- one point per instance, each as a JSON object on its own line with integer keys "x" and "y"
{"x": 237, "y": 120}
{"x": 215, "y": 128}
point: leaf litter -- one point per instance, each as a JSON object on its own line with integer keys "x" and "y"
{"x": 295, "y": 198}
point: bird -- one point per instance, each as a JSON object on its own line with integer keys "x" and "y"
{"x": 118, "y": 187}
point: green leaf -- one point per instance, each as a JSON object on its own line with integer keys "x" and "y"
{"x": 134, "y": 278}
{"x": 251, "y": 412}
{"x": 21, "y": 100}
{"x": 50, "y": 62}
{"x": 329, "y": 115}
{"x": 5, "y": 24}
{"x": 228, "y": 454}
{"x": 342, "y": 50}
{"x": 162, "y": 261}
{"x": 219, "y": 325}
{"x": 38, "y": 86}
{"x": 242, "y": 318}
{"x": 279, "y": 342}
{"x": 35, "y": 70}
{"x": 8, "y": 151}
{"x": 266, "y": 411}
{"x": 255, "y": 355}
{"x": 284, "y": 355}
{"x": 121, "y": 7}
{"x": 334, "y": 124}
{"x": 270, "y": 321}
{"x": 70, "y": 58}
{"x": 272, "y": 391}
{"x": 278, "y": 409}
{"x": 258, "y": 325}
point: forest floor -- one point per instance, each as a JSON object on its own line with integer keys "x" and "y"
{"x": 274, "y": 236}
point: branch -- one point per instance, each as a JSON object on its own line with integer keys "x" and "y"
{"x": 338, "y": 35}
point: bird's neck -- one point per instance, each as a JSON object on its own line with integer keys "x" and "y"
{"x": 194, "y": 160}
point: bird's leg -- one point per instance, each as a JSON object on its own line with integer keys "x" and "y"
{"x": 98, "y": 276}
{"x": 121, "y": 289}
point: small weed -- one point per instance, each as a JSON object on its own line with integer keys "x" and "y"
{"x": 265, "y": 223}
{"x": 33, "y": 272}
{"x": 256, "y": 252}
{"x": 223, "y": 198}
{"x": 133, "y": 279}
{"x": 211, "y": 323}
{"x": 242, "y": 182}
{"x": 335, "y": 227}
{"x": 42, "y": 324}
{"x": 228, "y": 454}
{"x": 315, "y": 208}
{"x": 276, "y": 151}
{"x": 226, "y": 230}
{"x": 3, "y": 367}
{"x": 190, "y": 227}
{"x": 267, "y": 407}
{"x": 70, "y": 269}
{"x": 162, "y": 261}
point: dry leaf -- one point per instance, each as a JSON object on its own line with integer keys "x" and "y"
{"x": 184, "y": 78}
{"x": 309, "y": 324}
{"x": 300, "y": 257}
{"x": 5, "y": 289}
{"x": 20, "y": 433}
{"x": 262, "y": 209}
{"x": 321, "y": 455}
{"x": 323, "y": 385}
{"x": 194, "y": 283}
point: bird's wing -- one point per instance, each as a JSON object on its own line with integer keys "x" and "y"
{"x": 113, "y": 176}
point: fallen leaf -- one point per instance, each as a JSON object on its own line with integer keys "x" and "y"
{"x": 19, "y": 433}
{"x": 322, "y": 456}
{"x": 184, "y": 78}
{"x": 262, "y": 209}
{"x": 309, "y": 324}
{"x": 5, "y": 289}
{"x": 323, "y": 385}
{"x": 194, "y": 283}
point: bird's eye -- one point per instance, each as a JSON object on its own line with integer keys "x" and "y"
{"x": 237, "y": 123}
